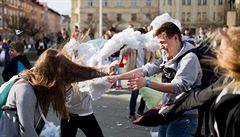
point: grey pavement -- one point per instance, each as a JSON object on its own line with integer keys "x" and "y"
{"x": 111, "y": 111}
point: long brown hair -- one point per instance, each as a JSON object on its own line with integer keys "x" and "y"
{"x": 51, "y": 73}
{"x": 228, "y": 53}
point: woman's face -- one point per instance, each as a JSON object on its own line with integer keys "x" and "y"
{"x": 226, "y": 51}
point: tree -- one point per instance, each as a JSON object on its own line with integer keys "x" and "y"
{"x": 30, "y": 26}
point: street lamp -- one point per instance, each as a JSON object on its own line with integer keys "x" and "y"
{"x": 3, "y": 19}
{"x": 100, "y": 18}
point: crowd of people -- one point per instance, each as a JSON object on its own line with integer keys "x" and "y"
{"x": 53, "y": 81}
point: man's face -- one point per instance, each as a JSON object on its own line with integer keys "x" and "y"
{"x": 168, "y": 44}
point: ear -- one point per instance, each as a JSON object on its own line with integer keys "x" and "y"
{"x": 176, "y": 37}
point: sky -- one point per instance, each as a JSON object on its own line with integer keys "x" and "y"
{"x": 61, "y": 6}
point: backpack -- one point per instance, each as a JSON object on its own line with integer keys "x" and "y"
{"x": 4, "y": 91}
{"x": 204, "y": 54}
{"x": 20, "y": 67}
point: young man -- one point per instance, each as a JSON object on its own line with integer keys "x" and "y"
{"x": 184, "y": 74}
{"x": 18, "y": 62}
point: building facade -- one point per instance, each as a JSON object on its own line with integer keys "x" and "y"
{"x": 196, "y": 13}
{"x": 121, "y": 13}
{"x": 13, "y": 13}
{"x": 115, "y": 13}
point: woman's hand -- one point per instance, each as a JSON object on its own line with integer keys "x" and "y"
{"x": 110, "y": 68}
{"x": 112, "y": 79}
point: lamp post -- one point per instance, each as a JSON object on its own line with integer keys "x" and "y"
{"x": 100, "y": 18}
{"x": 3, "y": 19}
{"x": 18, "y": 16}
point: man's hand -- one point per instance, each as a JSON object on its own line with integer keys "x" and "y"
{"x": 137, "y": 82}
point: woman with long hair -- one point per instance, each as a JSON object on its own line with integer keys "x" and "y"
{"x": 44, "y": 85}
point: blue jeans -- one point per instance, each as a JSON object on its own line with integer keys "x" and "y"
{"x": 181, "y": 127}
{"x": 116, "y": 71}
{"x": 133, "y": 102}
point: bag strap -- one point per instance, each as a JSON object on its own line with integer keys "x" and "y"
{"x": 180, "y": 57}
{"x": 42, "y": 115}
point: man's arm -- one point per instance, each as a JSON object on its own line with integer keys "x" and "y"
{"x": 138, "y": 72}
{"x": 139, "y": 82}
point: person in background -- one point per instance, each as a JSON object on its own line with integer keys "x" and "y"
{"x": 5, "y": 48}
{"x": 59, "y": 38}
{"x": 84, "y": 37}
{"x": 41, "y": 44}
{"x": 225, "y": 28}
{"x": 65, "y": 34}
{"x": 106, "y": 36}
{"x": 188, "y": 36}
{"x": 200, "y": 37}
{"x": 136, "y": 59}
{"x": 18, "y": 62}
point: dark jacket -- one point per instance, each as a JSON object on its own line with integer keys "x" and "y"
{"x": 226, "y": 112}
{"x": 41, "y": 45}
{"x": 11, "y": 68}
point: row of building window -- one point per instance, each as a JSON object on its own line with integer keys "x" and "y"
{"x": 189, "y": 2}
{"x": 119, "y": 3}
{"x": 186, "y": 16}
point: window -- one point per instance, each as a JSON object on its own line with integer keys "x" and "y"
{"x": 204, "y": 2}
{"x": 169, "y": 2}
{"x": 189, "y": 16}
{"x": 148, "y": 16}
{"x": 189, "y": 2}
{"x": 199, "y": 2}
{"x": 183, "y": 16}
{"x": 204, "y": 15}
{"x": 214, "y": 16}
{"x": 133, "y": 3}
{"x": 199, "y": 16}
{"x": 105, "y": 16}
{"x": 183, "y": 2}
{"x": 119, "y": 3}
{"x": 90, "y": 17}
{"x": 119, "y": 17}
{"x": 220, "y": 2}
{"x": 1, "y": 23}
{"x": 134, "y": 17}
{"x": 220, "y": 17}
{"x": 89, "y": 3}
{"x": 104, "y": 3}
{"x": 5, "y": 11}
{"x": 148, "y": 2}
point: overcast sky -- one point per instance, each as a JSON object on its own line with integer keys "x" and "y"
{"x": 61, "y": 6}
